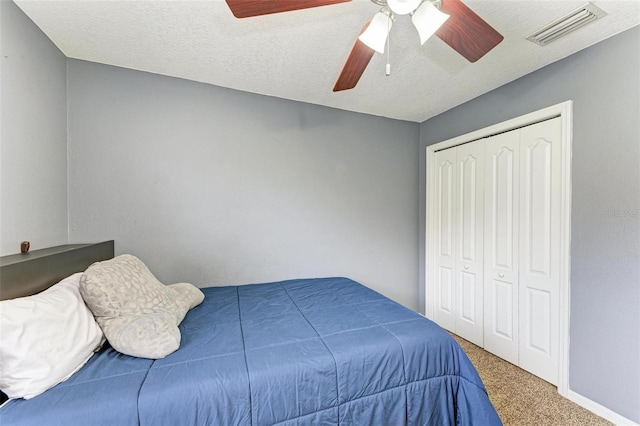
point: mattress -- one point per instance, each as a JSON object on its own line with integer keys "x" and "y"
{"x": 309, "y": 351}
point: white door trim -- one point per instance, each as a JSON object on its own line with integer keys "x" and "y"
{"x": 565, "y": 111}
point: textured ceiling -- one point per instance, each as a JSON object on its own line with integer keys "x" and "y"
{"x": 298, "y": 55}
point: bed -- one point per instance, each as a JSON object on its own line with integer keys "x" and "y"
{"x": 323, "y": 351}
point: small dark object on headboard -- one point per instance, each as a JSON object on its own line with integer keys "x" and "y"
{"x": 29, "y": 273}
{"x": 24, "y": 246}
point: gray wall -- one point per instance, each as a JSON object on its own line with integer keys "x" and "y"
{"x": 604, "y": 83}
{"x": 217, "y": 187}
{"x": 33, "y": 135}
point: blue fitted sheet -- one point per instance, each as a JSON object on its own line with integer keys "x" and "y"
{"x": 311, "y": 351}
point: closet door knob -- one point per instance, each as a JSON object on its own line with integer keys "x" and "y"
{"x": 501, "y": 275}
{"x": 466, "y": 266}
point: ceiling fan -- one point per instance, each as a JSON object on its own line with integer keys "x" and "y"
{"x": 463, "y": 29}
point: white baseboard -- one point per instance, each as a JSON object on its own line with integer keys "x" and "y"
{"x": 600, "y": 410}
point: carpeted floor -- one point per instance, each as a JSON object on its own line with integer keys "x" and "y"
{"x": 523, "y": 399}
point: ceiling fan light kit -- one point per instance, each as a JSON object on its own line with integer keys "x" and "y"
{"x": 428, "y": 19}
{"x": 375, "y": 36}
{"x": 425, "y": 15}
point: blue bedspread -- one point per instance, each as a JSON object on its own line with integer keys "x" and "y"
{"x": 315, "y": 351}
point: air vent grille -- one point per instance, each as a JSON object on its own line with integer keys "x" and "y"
{"x": 570, "y": 22}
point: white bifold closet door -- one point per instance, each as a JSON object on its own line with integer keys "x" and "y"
{"x": 459, "y": 288}
{"x": 497, "y": 268}
{"x": 522, "y": 239}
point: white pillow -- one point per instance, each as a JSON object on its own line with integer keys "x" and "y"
{"x": 45, "y": 338}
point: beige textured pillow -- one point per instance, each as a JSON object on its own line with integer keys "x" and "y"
{"x": 137, "y": 313}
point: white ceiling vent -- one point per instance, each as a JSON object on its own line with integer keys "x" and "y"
{"x": 569, "y": 22}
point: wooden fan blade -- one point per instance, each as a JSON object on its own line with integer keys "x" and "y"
{"x": 248, "y": 8}
{"x": 466, "y": 32}
{"x": 357, "y": 62}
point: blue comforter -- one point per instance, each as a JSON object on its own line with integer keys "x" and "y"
{"x": 315, "y": 351}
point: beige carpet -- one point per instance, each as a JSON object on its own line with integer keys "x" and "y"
{"x": 523, "y": 399}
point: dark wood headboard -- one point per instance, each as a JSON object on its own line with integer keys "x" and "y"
{"x": 29, "y": 273}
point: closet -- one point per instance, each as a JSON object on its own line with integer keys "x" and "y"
{"x": 496, "y": 267}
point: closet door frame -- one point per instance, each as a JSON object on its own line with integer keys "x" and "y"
{"x": 563, "y": 110}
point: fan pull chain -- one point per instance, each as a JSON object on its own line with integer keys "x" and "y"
{"x": 387, "y": 70}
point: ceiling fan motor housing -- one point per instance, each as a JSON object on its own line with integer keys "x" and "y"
{"x": 403, "y": 7}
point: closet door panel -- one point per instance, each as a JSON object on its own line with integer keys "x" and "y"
{"x": 469, "y": 241}
{"x": 540, "y": 191}
{"x": 502, "y": 297}
{"x": 445, "y": 291}
{"x": 501, "y": 245}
